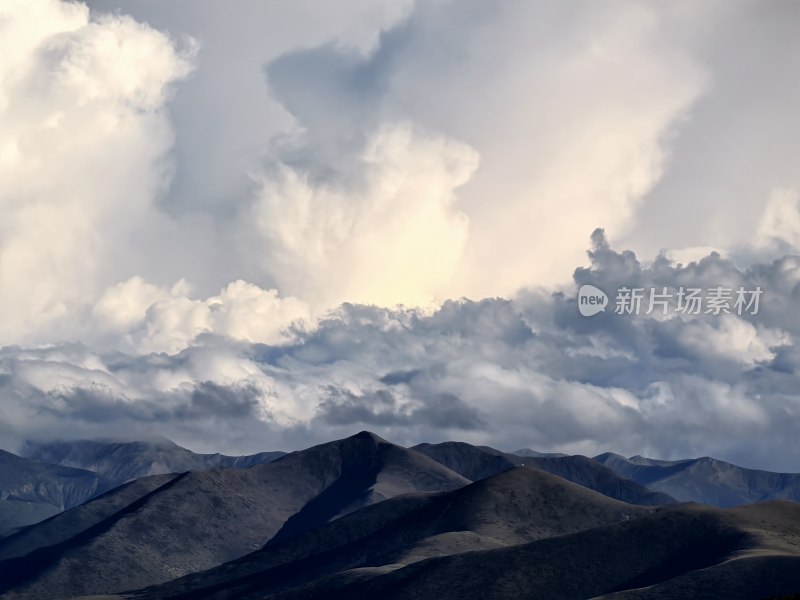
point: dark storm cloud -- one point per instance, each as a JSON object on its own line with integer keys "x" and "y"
{"x": 98, "y": 405}
{"x": 345, "y": 408}
{"x": 397, "y": 377}
{"x": 381, "y": 408}
{"x": 236, "y": 402}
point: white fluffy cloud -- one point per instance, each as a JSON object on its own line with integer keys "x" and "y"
{"x": 83, "y": 134}
{"x": 142, "y": 317}
{"x": 780, "y": 223}
{"x": 84, "y": 143}
{"x": 733, "y": 338}
{"x": 437, "y": 149}
{"x": 571, "y": 107}
{"x": 384, "y": 231}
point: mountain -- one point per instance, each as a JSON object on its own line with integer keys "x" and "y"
{"x": 200, "y": 519}
{"x": 363, "y": 518}
{"x": 473, "y": 462}
{"x": 529, "y": 452}
{"x": 596, "y": 476}
{"x": 54, "y": 531}
{"x": 31, "y": 491}
{"x": 705, "y": 480}
{"x": 517, "y": 506}
{"x": 119, "y": 462}
{"x": 477, "y": 462}
{"x": 676, "y": 552}
{"x": 53, "y": 477}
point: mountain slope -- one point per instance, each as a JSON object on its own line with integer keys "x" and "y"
{"x": 589, "y": 473}
{"x": 473, "y": 462}
{"x": 477, "y": 462}
{"x": 201, "y": 519}
{"x": 31, "y": 491}
{"x": 706, "y": 480}
{"x": 81, "y": 518}
{"x": 120, "y": 462}
{"x": 516, "y": 506}
{"x": 676, "y": 552}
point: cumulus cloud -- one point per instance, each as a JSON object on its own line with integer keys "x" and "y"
{"x": 381, "y": 408}
{"x": 83, "y": 165}
{"x": 437, "y": 149}
{"x": 213, "y": 245}
{"x": 567, "y": 105}
{"x": 780, "y": 222}
{"x": 382, "y": 230}
{"x": 528, "y": 371}
{"x": 142, "y": 317}
{"x": 84, "y": 136}
{"x": 734, "y": 151}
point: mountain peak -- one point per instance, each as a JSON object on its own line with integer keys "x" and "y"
{"x": 368, "y": 436}
{"x": 608, "y": 455}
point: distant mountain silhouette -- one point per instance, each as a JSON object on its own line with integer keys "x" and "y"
{"x": 120, "y": 462}
{"x": 66, "y": 525}
{"x": 529, "y": 452}
{"x": 477, "y": 462}
{"x": 705, "y": 480}
{"x": 31, "y": 491}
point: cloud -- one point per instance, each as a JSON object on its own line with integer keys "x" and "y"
{"x": 381, "y": 408}
{"x": 213, "y": 244}
{"x": 780, "y": 223}
{"x": 732, "y": 338}
{"x": 433, "y": 150}
{"x": 733, "y": 153}
{"x": 81, "y": 155}
{"x": 142, "y": 317}
{"x": 382, "y": 229}
{"x": 567, "y": 105}
{"x": 528, "y": 371}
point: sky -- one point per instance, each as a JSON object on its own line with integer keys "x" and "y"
{"x": 261, "y": 225}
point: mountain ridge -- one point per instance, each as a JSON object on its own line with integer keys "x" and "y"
{"x": 186, "y": 525}
{"x": 704, "y": 552}
{"x": 512, "y": 507}
{"x": 123, "y": 461}
{"x": 477, "y": 462}
{"x": 707, "y": 480}
{"x": 31, "y": 491}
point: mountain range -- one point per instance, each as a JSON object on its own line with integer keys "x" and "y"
{"x": 31, "y": 491}
{"x": 120, "y": 462}
{"x": 514, "y": 507}
{"x": 705, "y": 480}
{"x": 478, "y": 462}
{"x": 680, "y": 552}
{"x": 52, "y": 477}
{"x": 364, "y": 518}
{"x": 196, "y": 520}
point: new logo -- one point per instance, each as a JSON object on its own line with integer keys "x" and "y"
{"x": 591, "y": 300}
